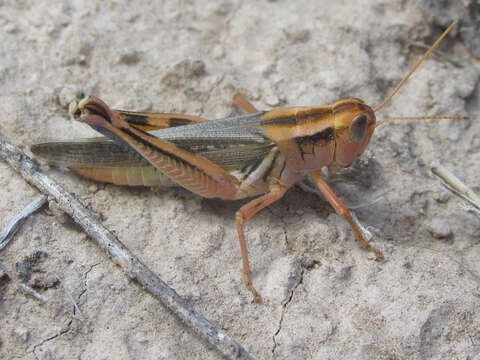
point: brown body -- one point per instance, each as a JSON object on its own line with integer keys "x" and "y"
{"x": 259, "y": 154}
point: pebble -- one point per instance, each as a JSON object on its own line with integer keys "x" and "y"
{"x": 272, "y": 100}
{"x": 439, "y": 229}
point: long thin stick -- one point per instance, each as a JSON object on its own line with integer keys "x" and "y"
{"x": 13, "y": 225}
{"x": 455, "y": 185}
{"x": 130, "y": 264}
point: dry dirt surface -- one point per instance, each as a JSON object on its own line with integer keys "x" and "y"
{"x": 323, "y": 297}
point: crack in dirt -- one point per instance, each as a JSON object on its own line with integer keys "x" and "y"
{"x": 62, "y": 332}
{"x": 85, "y": 275}
{"x": 284, "y": 309}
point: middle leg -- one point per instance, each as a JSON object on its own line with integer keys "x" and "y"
{"x": 342, "y": 210}
{"x": 245, "y": 213}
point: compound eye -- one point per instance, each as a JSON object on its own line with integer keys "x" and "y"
{"x": 358, "y": 128}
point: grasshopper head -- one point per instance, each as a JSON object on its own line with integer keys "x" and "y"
{"x": 354, "y": 124}
{"x": 332, "y": 135}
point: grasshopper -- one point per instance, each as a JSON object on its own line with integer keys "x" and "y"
{"x": 261, "y": 154}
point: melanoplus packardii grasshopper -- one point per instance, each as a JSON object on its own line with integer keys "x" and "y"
{"x": 262, "y": 153}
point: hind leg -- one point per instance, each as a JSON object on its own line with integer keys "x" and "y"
{"x": 241, "y": 101}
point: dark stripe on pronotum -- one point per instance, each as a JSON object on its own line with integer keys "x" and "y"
{"x": 314, "y": 113}
{"x": 324, "y": 135}
{"x": 283, "y": 120}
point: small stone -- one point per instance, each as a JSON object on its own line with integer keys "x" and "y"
{"x": 93, "y": 188}
{"x": 129, "y": 58}
{"x": 10, "y": 28}
{"x": 142, "y": 337}
{"x": 218, "y": 52}
{"x": 441, "y": 197}
{"x": 272, "y": 100}
{"x": 301, "y": 36}
{"x": 440, "y": 229}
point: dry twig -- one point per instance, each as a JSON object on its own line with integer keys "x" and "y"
{"x": 29, "y": 291}
{"x": 456, "y": 186}
{"x": 129, "y": 263}
{"x": 75, "y": 305}
{"x": 13, "y": 225}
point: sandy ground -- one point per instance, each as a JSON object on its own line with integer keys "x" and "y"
{"x": 323, "y": 297}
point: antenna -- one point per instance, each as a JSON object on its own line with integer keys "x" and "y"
{"x": 383, "y": 121}
{"x": 427, "y": 54}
